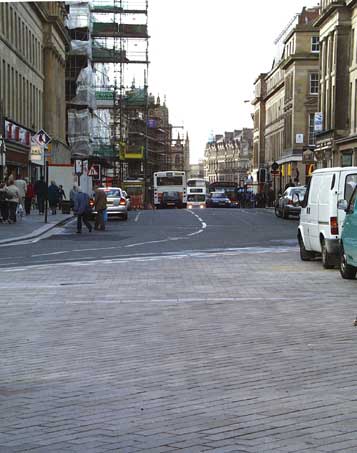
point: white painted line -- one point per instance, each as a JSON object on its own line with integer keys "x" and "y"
{"x": 137, "y": 217}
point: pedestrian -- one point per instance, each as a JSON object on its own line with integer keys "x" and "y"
{"x": 72, "y": 195}
{"x": 30, "y": 193}
{"x": 53, "y": 197}
{"x": 41, "y": 194}
{"x": 21, "y": 184}
{"x": 82, "y": 210}
{"x": 62, "y": 195}
{"x": 100, "y": 207}
{"x": 4, "y": 208}
{"x": 13, "y": 200}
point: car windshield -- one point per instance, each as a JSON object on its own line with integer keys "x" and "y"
{"x": 301, "y": 192}
{"x": 112, "y": 193}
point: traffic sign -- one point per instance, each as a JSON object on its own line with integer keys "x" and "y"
{"x": 42, "y": 138}
{"x": 275, "y": 172}
{"x": 78, "y": 167}
{"x": 274, "y": 166}
{"x": 92, "y": 171}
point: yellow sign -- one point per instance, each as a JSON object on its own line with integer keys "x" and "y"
{"x": 283, "y": 170}
{"x": 289, "y": 169}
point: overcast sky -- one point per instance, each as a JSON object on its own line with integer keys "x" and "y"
{"x": 205, "y": 56}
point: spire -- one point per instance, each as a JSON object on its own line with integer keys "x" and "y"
{"x": 133, "y": 84}
{"x": 164, "y": 101}
{"x": 158, "y": 101}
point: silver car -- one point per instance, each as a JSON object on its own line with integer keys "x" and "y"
{"x": 285, "y": 206}
{"x": 116, "y": 202}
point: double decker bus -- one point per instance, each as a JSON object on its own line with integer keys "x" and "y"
{"x": 170, "y": 189}
{"x": 197, "y": 191}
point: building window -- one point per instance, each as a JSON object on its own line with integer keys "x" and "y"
{"x": 314, "y": 83}
{"x": 315, "y": 44}
{"x": 311, "y": 137}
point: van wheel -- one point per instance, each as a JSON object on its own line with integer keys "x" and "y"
{"x": 305, "y": 255}
{"x": 328, "y": 261}
{"x": 347, "y": 271}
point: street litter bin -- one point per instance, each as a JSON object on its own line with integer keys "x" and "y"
{"x": 66, "y": 207}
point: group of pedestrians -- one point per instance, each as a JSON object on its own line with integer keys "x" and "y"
{"x": 83, "y": 210}
{"x": 17, "y": 197}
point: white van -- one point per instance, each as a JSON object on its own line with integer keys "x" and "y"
{"x": 322, "y": 213}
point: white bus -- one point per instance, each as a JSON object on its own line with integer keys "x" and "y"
{"x": 197, "y": 191}
{"x": 170, "y": 189}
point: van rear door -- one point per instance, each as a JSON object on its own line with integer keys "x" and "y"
{"x": 312, "y": 213}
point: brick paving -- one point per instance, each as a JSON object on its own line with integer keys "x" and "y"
{"x": 240, "y": 352}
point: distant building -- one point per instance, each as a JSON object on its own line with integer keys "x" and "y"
{"x": 285, "y": 102}
{"x": 228, "y": 157}
{"x": 180, "y": 154}
{"x": 197, "y": 170}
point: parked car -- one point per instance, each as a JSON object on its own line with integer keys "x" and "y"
{"x": 322, "y": 213}
{"x": 116, "y": 203}
{"x": 287, "y": 204}
{"x": 218, "y": 200}
{"x": 348, "y": 246}
{"x": 128, "y": 202}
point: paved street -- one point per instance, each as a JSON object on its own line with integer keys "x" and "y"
{"x": 175, "y": 331}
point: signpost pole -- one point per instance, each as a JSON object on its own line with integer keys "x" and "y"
{"x": 46, "y": 181}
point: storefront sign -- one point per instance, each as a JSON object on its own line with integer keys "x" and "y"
{"x": 14, "y": 133}
{"x": 318, "y": 122}
{"x": 299, "y": 139}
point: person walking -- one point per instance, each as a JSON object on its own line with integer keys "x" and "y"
{"x": 81, "y": 210}
{"x": 62, "y": 196}
{"x": 21, "y": 184}
{"x": 30, "y": 193}
{"x": 13, "y": 200}
{"x": 4, "y": 209}
{"x": 100, "y": 207}
{"x": 72, "y": 195}
{"x": 53, "y": 197}
{"x": 41, "y": 194}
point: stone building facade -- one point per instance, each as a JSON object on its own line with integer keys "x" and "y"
{"x": 285, "y": 103}
{"x": 228, "y": 157}
{"x": 336, "y": 142}
{"x": 33, "y": 42}
{"x": 180, "y": 154}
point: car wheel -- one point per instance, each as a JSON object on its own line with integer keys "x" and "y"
{"x": 285, "y": 214}
{"x": 277, "y": 211}
{"x": 305, "y": 255}
{"x": 347, "y": 271}
{"x": 327, "y": 258}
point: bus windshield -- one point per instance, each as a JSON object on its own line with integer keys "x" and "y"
{"x": 169, "y": 181}
{"x": 196, "y": 198}
{"x": 196, "y": 183}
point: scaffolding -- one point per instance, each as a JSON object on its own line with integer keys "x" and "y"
{"x": 106, "y": 37}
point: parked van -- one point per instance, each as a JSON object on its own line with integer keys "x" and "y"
{"x": 348, "y": 248}
{"x": 323, "y": 213}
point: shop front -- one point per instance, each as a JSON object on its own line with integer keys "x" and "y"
{"x": 18, "y": 146}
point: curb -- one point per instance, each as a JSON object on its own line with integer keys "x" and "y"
{"x": 36, "y": 233}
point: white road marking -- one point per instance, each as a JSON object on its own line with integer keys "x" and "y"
{"x": 137, "y": 217}
{"x": 195, "y": 254}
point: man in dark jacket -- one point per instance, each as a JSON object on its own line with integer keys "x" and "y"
{"x": 81, "y": 210}
{"x": 41, "y": 194}
{"x": 53, "y": 197}
{"x": 100, "y": 207}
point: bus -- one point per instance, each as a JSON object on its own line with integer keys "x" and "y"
{"x": 197, "y": 191}
{"x": 170, "y": 189}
